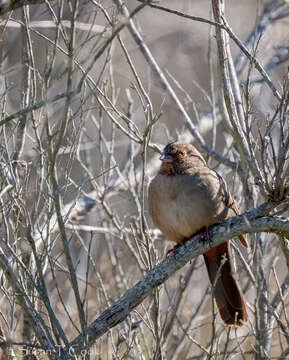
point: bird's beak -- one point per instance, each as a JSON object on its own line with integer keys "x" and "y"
{"x": 166, "y": 157}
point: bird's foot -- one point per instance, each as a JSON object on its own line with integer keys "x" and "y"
{"x": 172, "y": 250}
{"x": 206, "y": 235}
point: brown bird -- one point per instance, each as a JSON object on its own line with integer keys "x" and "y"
{"x": 186, "y": 197}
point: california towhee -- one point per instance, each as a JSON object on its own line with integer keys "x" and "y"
{"x": 186, "y": 197}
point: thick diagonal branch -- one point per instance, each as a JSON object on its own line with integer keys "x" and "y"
{"x": 116, "y": 313}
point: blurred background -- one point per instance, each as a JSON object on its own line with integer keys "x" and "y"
{"x": 84, "y": 116}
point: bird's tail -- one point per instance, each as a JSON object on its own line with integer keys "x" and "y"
{"x": 226, "y": 290}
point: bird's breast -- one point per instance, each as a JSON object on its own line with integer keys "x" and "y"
{"x": 180, "y": 205}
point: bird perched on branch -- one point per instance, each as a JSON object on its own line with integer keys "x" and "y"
{"x": 186, "y": 197}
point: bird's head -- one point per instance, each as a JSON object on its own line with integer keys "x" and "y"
{"x": 177, "y": 157}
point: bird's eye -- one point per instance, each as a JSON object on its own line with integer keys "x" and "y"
{"x": 182, "y": 153}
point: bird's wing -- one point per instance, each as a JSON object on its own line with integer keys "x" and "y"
{"x": 231, "y": 203}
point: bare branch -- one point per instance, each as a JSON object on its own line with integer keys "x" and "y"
{"x": 235, "y": 226}
{"x": 6, "y": 6}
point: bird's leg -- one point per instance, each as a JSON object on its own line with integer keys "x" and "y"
{"x": 206, "y": 235}
{"x": 172, "y": 249}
